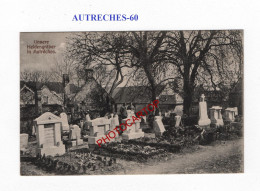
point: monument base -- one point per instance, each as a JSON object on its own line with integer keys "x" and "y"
{"x": 205, "y": 127}
{"x": 134, "y": 135}
{"x": 204, "y": 122}
{"x": 93, "y": 140}
{"x": 52, "y": 151}
{"x": 77, "y": 142}
{"x": 217, "y": 123}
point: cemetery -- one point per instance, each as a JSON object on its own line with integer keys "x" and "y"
{"x": 133, "y": 101}
{"x": 78, "y": 154}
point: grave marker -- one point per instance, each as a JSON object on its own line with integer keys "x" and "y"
{"x": 64, "y": 122}
{"x": 134, "y": 131}
{"x": 215, "y": 116}
{"x": 204, "y": 120}
{"x": 158, "y": 126}
{"x": 98, "y": 128}
{"x": 23, "y": 140}
{"x": 48, "y": 134}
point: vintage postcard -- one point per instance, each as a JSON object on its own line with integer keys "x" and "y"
{"x": 133, "y": 102}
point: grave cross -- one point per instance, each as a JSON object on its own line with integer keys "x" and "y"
{"x": 202, "y": 98}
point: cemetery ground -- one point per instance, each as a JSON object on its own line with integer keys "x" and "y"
{"x": 219, "y": 156}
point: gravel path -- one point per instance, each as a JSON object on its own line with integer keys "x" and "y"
{"x": 223, "y": 157}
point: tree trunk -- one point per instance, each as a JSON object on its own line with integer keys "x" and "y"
{"x": 151, "y": 80}
{"x": 187, "y": 104}
{"x": 188, "y": 94}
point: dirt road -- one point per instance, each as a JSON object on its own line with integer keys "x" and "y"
{"x": 222, "y": 157}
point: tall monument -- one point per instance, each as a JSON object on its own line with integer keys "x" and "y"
{"x": 204, "y": 119}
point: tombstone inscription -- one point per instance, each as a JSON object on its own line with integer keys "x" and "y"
{"x": 48, "y": 134}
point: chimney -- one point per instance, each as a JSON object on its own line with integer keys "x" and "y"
{"x": 89, "y": 73}
{"x": 38, "y": 101}
{"x": 65, "y": 79}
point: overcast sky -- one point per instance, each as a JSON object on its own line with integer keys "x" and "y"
{"x": 41, "y": 61}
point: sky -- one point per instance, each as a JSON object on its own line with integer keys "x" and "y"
{"x": 43, "y": 62}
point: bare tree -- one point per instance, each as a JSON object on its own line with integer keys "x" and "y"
{"x": 214, "y": 53}
{"x": 105, "y": 52}
{"x": 148, "y": 53}
{"x": 65, "y": 65}
{"x": 36, "y": 76}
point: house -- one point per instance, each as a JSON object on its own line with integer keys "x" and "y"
{"x": 38, "y": 97}
{"x": 91, "y": 98}
{"x": 140, "y": 96}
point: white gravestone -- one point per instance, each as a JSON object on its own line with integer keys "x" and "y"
{"x": 204, "y": 119}
{"x": 116, "y": 120}
{"x": 86, "y": 127}
{"x": 64, "y": 122}
{"x": 98, "y": 129}
{"x": 48, "y": 134}
{"x": 236, "y": 111}
{"x": 230, "y": 114}
{"x": 158, "y": 126}
{"x": 88, "y": 117}
{"x": 177, "y": 120}
{"x": 75, "y": 135}
{"x": 215, "y": 116}
{"x": 134, "y": 131}
{"x": 24, "y": 140}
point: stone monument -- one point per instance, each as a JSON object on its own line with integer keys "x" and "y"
{"x": 215, "y": 116}
{"x": 204, "y": 121}
{"x": 158, "y": 126}
{"x": 177, "y": 120}
{"x": 24, "y": 140}
{"x": 48, "y": 134}
{"x": 75, "y": 135}
{"x": 134, "y": 131}
{"x": 98, "y": 129}
{"x": 64, "y": 122}
{"x": 230, "y": 114}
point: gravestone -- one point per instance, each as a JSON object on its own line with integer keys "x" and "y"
{"x": 177, "y": 120}
{"x": 85, "y": 126}
{"x": 48, "y": 134}
{"x": 64, "y": 122}
{"x": 204, "y": 120}
{"x": 88, "y": 117}
{"x": 158, "y": 126}
{"x": 215, "y": 116}
{"x": 75, "y": 135}
{"x": 236, "y": 111}
{"x": 134, "y": 131}
{"x": 144, "y": 118}
{"x": 230, "y": 114}
{"x": 98, "y": 129}
{"x": 116, "y": 120}
{"x": 24, "y": 140}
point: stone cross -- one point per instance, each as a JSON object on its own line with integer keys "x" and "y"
{"x": 202, "y": 98}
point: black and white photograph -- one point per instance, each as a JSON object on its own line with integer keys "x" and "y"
{"x": 132, "y": 102}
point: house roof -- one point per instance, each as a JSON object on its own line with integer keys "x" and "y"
{"x": 135, "y": 94}
{"x": 90, "y": 86}
{"x": 53, "y": 86}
